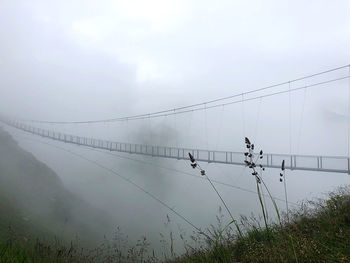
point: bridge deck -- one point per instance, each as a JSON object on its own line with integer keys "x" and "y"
{"x": 336, "y": 164}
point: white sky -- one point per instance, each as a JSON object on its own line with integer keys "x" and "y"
{"x": 69, "y": 60}
{"x": 137, "y": 50}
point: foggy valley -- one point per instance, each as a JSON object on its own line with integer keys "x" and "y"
{"x": 127, "y": 131}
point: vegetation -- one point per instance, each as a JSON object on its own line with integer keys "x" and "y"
{"x": 35, "y": 202}
{"x": 15, "y": 250}
{"x": 319, "y": 231}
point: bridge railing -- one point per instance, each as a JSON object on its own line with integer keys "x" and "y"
{"x": 338, "y": 164}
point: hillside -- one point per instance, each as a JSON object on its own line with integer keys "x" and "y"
{"x": 34, "y": 202}
{"x": 317, "y": 232}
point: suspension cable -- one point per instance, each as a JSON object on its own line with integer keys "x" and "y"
{"x": 184, "y": 109}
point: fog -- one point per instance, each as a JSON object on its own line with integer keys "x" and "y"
{"x": 90, "y": 60}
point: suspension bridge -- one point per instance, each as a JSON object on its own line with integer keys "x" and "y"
{"x": 321, "y": 163}
{"x": 336, "y": 164}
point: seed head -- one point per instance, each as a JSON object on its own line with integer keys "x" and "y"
{"x": 191, "y": 157}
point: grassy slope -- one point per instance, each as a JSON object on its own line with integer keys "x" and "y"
{"x": 35, "y": 203}
{"x": 39, "y": 253}
{"x": 320, "y": 234}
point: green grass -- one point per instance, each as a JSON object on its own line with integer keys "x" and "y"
{"x": 318, "y": 233}
{"x": 19, "y": 252}
{"x": 17, "y": 248}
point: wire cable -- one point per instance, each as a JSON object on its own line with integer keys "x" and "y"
{"x": 125, "y": 179}
{"x": 216, "y": 105}
{"x": 181, "y": 109}
{"x": 173, "y": 170}
{"x": 183, "y": 172}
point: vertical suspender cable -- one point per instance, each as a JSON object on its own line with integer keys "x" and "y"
{"x": 205, "y": 126}
{"x": 220, "y": 127}
{"x": 301, "y": 122}
{"x": 175, "y": 129}
{"x": 165, "y": 126}
{"x": 189, "y": 131}
{"x": 290, "y": 120}
{"x": 243, "y": 117}
{"x": 349, "y": 124}
{"x": 150, "y": 129}
{"x": 349, "y": 118}
{"x": 127, "y": 130}
{"x": 290, "y": 150}
{"x": 257, "y": 121}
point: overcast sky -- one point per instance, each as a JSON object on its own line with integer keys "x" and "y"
{"x": 124, "y": 57}
{"x": 83, "y": 59}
